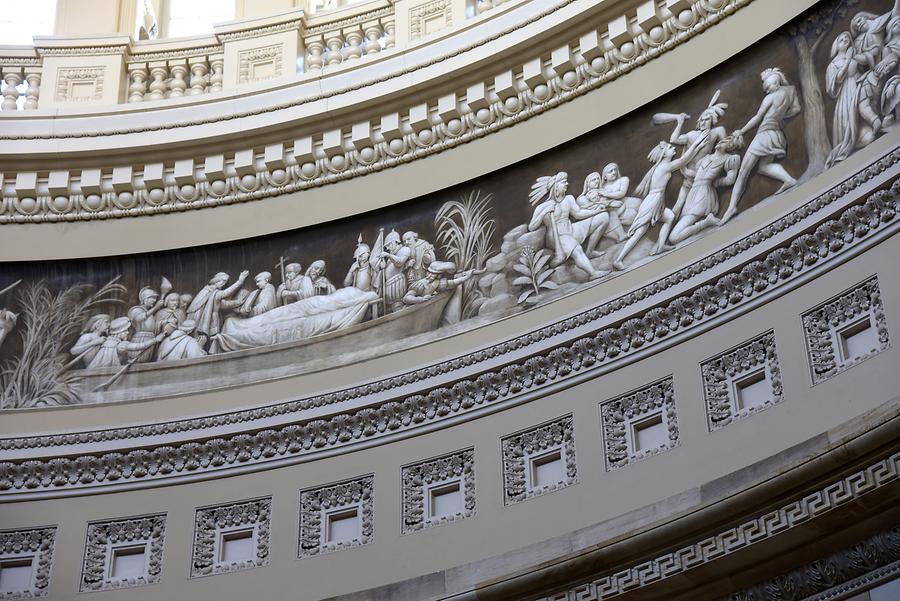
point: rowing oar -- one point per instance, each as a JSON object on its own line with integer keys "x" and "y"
{"x": 75, "y": 360}
{"x": 10, "y": 287}
{"x": 116, "y": 375}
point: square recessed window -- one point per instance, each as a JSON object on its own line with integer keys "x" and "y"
{"x": 649, "y": 433}
{"x": 236, "y": 546}
{"x": 343, "y": 526}
{"x": 445, "y": 500}
{"x": 128, "y": 562}
{"x": 858, "y": 340}
{"x": 547, "y": 469}
{"x": 752, "y": 390}
{"x": 15, "y": 575}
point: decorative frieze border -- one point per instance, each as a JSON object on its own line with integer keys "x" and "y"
{"x": 34, "y": 545}
{"x": 435, "y": 124}
{"x": 778, "y": 270}
{"x": 811, "y": 506}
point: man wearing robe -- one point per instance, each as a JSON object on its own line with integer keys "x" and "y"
{"x": 260, "y": 300}
{"x": 421, "y": 256}
{"x": 92, "y": 336}
{"x": 180, "y": 344}
{"x": 395, "y": 258}
{"x": 296, "y": 286}
{"x": 316, "y": 274}
{"x": 116, "y": 348}
{"x": 204, "y": 309}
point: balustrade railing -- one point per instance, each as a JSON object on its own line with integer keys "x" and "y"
{"x": 120, "y": 70}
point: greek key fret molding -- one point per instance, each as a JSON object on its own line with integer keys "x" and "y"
{"x": 623, "y": 418}
{"x": 421, "y": 480}
{"x": 829, "y": 327}
{"x": 307, "y": 162}
{"x": 214, "y": 525}
{"x": 861, "y": 566}
{"x": 108, "y": 541}
{"x": 772, "y": 273}
{"x": 30, "y": 548}
{"x": 726, "y": 542}
{"x": 520, "y": 450}
{"x": 321, "y": 506}
{"x": 754, "y": 362}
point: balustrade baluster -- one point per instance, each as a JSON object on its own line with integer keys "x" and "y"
{"x": 217, "y": 64}
{"x": 33, "y": 91}
{"x": 315, "y": 50}
{"x": 354, "y": 37}
{"x": 137, "y": 90}
{"x": 178, "y": 84}
{"x": 389, "y": 29}
{"x": 158, "y": 72}
{"x": 335, "y": 42}
{"x": 199, "y": 78}
{"x": 12, "y": 77}
{"x": 373, "y": 32}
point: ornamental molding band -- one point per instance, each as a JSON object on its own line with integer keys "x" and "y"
{"x": 845, "y": 330}
{"x": 462, "y": 258}
{"x": 216, "y": 526}
{"x": 726, "y": 542}
{"x": 742, "y": 381}
{"x": 337, "y": 516}
{"x": 524, "y": 453}
{"x": 813, "y": 247}
{"x": 453, "y": 475}
{"x": 355, "y": 149}
{"x": 123, "y": 553}
{"x": 837, "y": 576}
{"x": 639, "y": 424}
{"x": 32, "y": 550}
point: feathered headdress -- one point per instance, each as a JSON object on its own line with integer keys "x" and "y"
{"x": 544, "y": 186}
{"x": 715, "y": 109}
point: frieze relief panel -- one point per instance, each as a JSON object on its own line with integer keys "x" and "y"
{"x": 124, "y": 553}
{"x": 259, "y": 64}
{"x": 232, "y": 537}
{"x": 539, "y": 460}
{"x": 154, "y": 325}
{"x": 26, "y": 557}
{"x": 337, "y": 517}
{"x": 639, "y": 424}
{"x": 438, "y": 491}
{"x": 79, "y": 84}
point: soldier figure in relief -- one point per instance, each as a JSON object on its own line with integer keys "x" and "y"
{"x": 92, "y": 337}
{"x": 717, "y": 170}
{"x": 143, "y": 319}
{"x": 360, "y": 274}
{"x": 296, "y": 286}
{"x": 421, "y": 256}
{"x": 394, "y": 259}
{"x": 204, "y": 309}
{"x": 769, "y": 144}
{"x": 316, "y": 274}
{"x": 116, "y": 348}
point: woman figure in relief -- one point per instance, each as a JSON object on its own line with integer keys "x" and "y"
{"x": 842, "y": 84}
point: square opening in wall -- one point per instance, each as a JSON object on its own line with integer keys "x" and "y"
{"x": 343, "y": 526}
{"x": 128, "y": 562}
{"x": 445, "y": 500}
{"x": 649, "y": 433}
{"x": 15, "y": 575}
{"x": 236, "y": 546}
{"x": 547, "y": 469}
{"x": 752, "y": 390}
{"x": 858, "y": 340}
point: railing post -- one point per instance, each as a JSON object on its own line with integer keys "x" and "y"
{"x": 12, "y": 77}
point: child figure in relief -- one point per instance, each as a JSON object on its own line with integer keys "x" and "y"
{"x": 653, "y": 189}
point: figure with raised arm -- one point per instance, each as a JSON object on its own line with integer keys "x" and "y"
{"x": 116, "y": 349}
{"x": 653, "y": 190}
{"x": 260, "y": 300}
{"x": 716, "y": 170}
{"x": 557, "y": 213}
{"x": 769, "y": 145}
{"x": 143, "y": 319}
{"x": 206, "y": 306}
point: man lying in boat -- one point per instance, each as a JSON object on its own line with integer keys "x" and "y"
{"x": 440, "y": 277}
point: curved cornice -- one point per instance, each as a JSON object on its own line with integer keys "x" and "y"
{"x": 828, "y": 230}
{"x": 350, "y": 143}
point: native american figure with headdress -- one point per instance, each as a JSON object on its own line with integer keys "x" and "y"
{"x": 707, "y": 125}
{"x": 568, "y": 224}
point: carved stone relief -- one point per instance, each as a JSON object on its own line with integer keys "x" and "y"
{"x": 428, "y": 18}
{"x": 123, "y": 553}
{"x": 259, "y": 64}
{"x": 453, "y": 474}
{"x": 369, "y": 285}
{"x": 349, "y": 503}
{"x": 79, "y": 84}
{"x": 750, "y": 368}
{"x": 523, "y": 452}
{"x": 215, "y": 527}
{"x": 29, "y": 551}
{"x": 845, "y": 330}
{"x": 646, "y": 414}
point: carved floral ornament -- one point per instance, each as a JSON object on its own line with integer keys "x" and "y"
{"x": 396, "y": 139}
{"x": 851, "y": 230}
